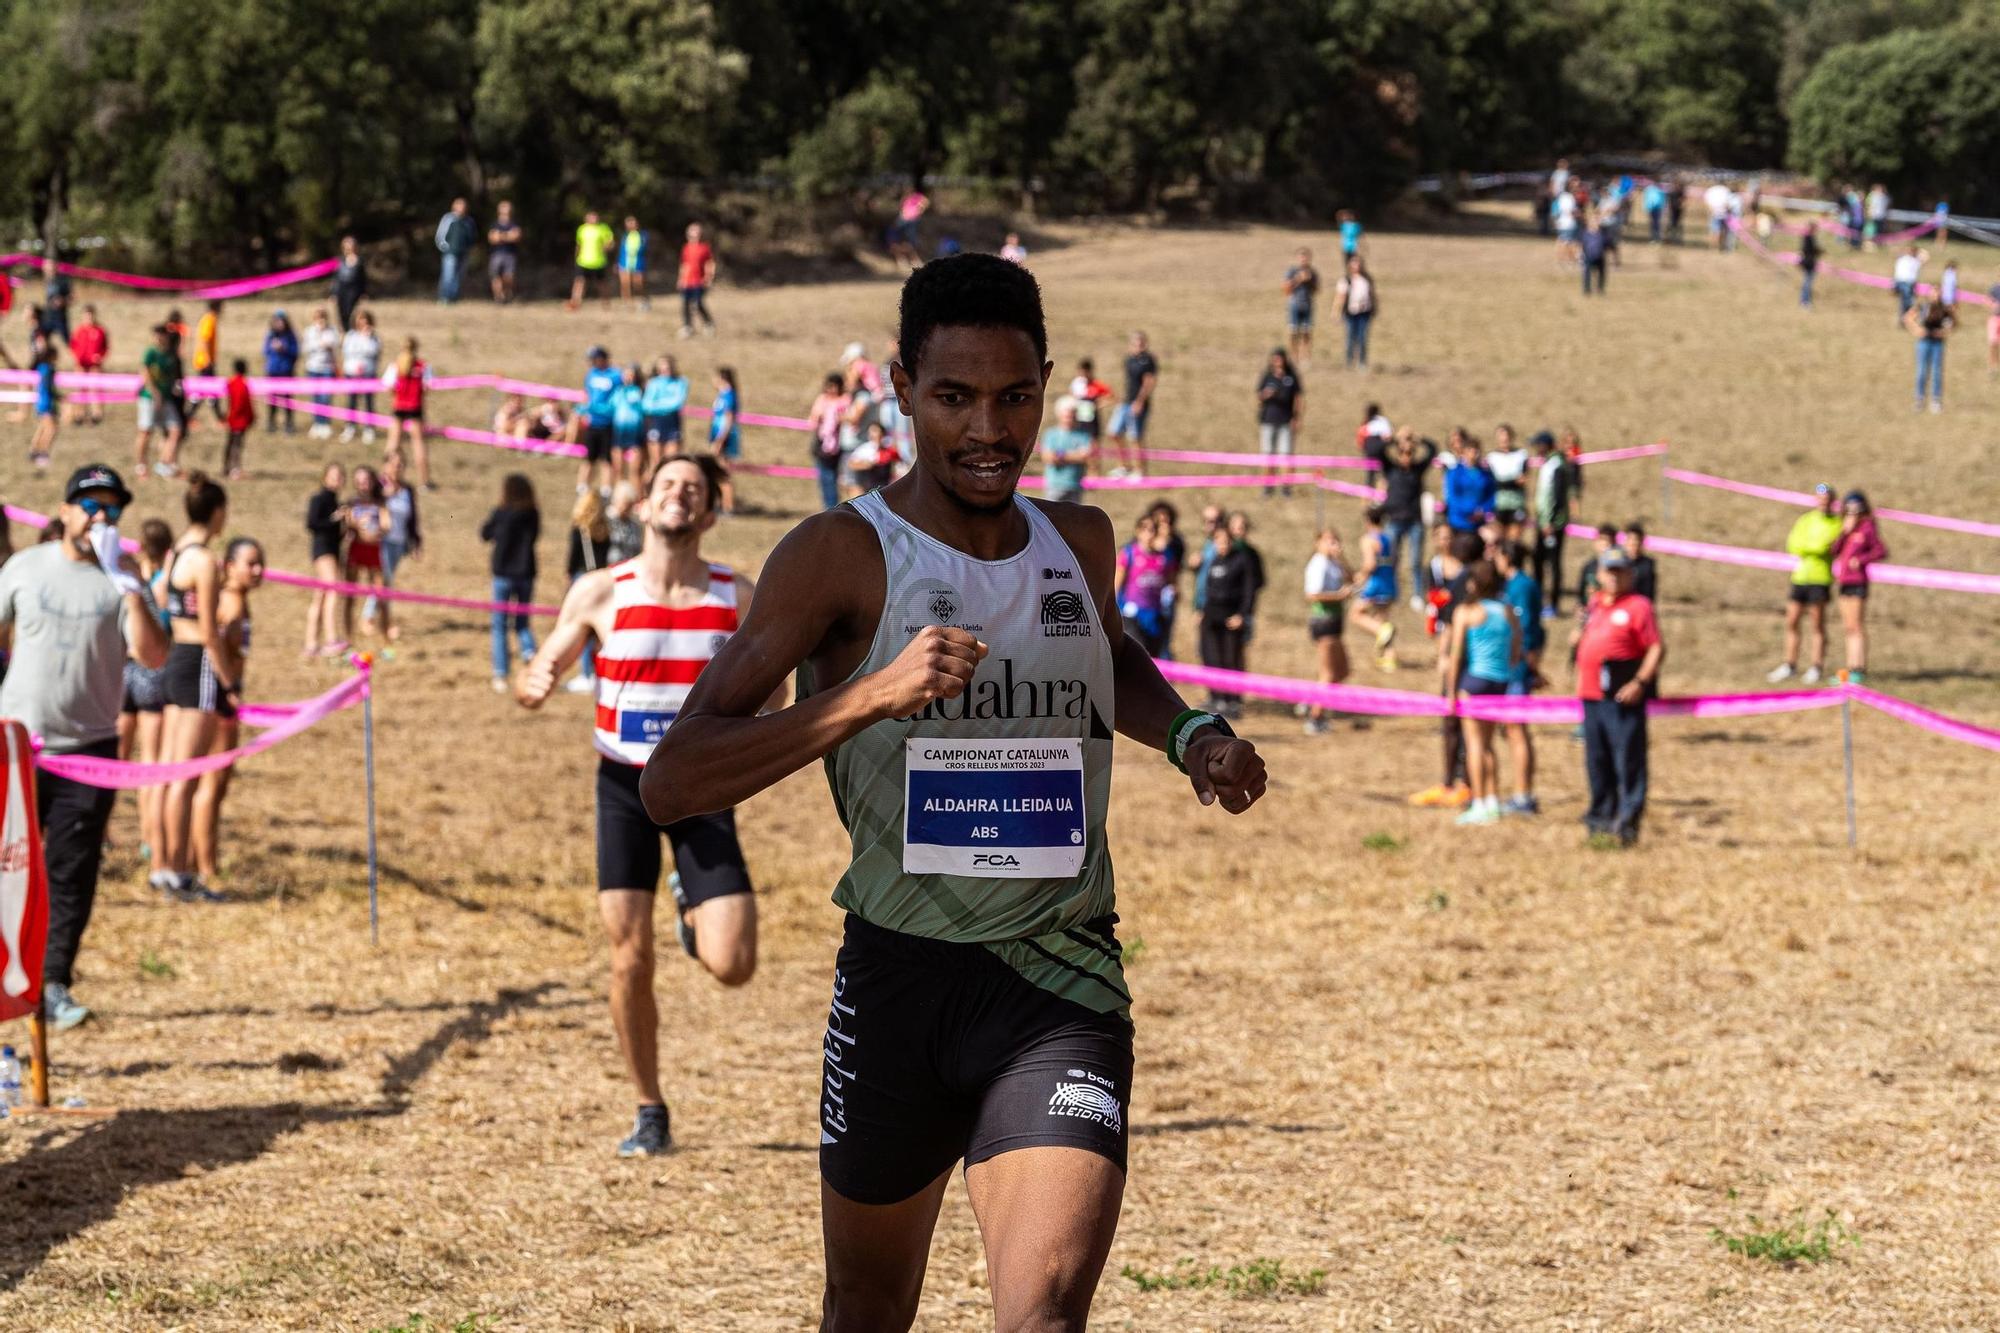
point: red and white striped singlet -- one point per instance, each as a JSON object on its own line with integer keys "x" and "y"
{"x": 654, "y": 653}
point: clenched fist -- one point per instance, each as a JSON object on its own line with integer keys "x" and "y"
{"x": 936, "y": 664}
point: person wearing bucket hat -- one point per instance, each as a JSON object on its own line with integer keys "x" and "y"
{"x": 74, "y": 614}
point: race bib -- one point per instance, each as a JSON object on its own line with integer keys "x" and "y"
{"x": 993, "y": 809}
{"x": 643, "y": 728}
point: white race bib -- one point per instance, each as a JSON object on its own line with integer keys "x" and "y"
{"x": 993, "y": 809}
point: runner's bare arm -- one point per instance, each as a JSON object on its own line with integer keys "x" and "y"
{"x": 745, "y": 592}
{"x": 565, "y": 643}
{"x": 720, "y": 751}
{"x": 1220, "y": 768}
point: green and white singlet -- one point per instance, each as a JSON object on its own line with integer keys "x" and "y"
{"x": 1001, "y": 792}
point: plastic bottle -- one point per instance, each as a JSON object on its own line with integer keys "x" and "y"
{"x": 10, "y": 1080}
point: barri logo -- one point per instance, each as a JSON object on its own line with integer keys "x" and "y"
{"x": 1057, "y": 574}
{"x": 1083, "y": 1101}
{"x": 1064, "y": 615}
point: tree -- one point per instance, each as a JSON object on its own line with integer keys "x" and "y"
{"x": 1918, "y": 111}
{"x": 1698, "y": 78}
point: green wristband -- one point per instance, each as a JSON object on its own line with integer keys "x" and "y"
{"x": 1185, "y": 724}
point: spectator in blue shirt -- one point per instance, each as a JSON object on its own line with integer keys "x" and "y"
{"x": 632, "y": 245}
{"x": 281, "y": 356}
{"x": 1596, "y": 245}
{"x": 1654, "y": 199}
{"x": 1469, "y": 489}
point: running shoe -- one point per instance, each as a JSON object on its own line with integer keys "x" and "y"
{"x": 1318, "y": 726}
{"x": 1857, "y": 677}
{"x": 1417, "y": 605}
{"x": 194, "y": 889}
{"x": 1385, "y": 636}
{"x": 167, "y": 470}
{"x": 1479, "y": 813}
{"x": 165, "y": 883}
{"x": 1440, "y": 795}
{"x": 1459, "y": 797}
{"x": 60, "y": 1008}
{"x": 1387, "y": 662}
{"x": 1521, "y": 805}
{"x": 1812, "y": 675}
{"x": 652, "y": 1134}
{"x": 683, "y": 928}
{"x": 1781, "y": 673}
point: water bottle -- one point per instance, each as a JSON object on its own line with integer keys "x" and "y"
{"x": 10, "y": 1080}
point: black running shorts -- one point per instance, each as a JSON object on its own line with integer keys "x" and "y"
{"x": 188, "y": 680}
{"x": 597, "y": 442}
{"x": 936, "y": 1051}
{"x": 628, "y": 843}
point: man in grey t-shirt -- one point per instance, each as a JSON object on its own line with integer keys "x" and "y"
{"x": 72, "y": 623}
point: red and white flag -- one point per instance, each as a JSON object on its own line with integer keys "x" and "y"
{"x": 24, "y": 883}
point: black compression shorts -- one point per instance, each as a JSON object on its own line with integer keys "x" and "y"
{"x": 706, "y": 853}
{"x": 188, "y": 680}
{"x": 597, "y": 443}
{"x": 936, "y": 1051}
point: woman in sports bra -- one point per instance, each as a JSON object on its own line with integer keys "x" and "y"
{"x": 199, "y": 695}
{"x": 1485, "y": 657}
{"x": 242, "y": 574}
{"x": 143, "y": 718}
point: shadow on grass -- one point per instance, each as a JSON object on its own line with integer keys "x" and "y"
{"x": 57, "y": 1190}
{"x": 1208, "y": 1123}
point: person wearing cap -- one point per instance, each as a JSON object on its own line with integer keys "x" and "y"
{"x": 858, "y": 369}
{"x": 1811, "y": 545}
{"x": 74, "y": 613}
{"x": 1618, "y": 659}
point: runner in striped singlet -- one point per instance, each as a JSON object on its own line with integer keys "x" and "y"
{"x": 962, "y": 668}
{"x": 658, "y": 619}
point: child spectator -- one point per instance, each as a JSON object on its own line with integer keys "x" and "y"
{"x": 239, "y": 415}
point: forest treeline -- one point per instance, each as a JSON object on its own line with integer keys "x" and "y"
{"x": 256, "y": 130}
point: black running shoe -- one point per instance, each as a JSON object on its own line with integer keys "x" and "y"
{"x": 652, "y": 1135}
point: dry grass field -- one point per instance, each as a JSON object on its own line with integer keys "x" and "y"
{"x": 1470, "y": 1078}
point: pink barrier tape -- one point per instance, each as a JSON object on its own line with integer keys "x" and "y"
{"x": 1845, "y": 232}
{"x": 1090, "y": 483}
{"x": 1944, "y": 580}
{"x": 466, "y": 434}
{"x": 1904, "y": 711}
{"x": 118, "y": 773}
{"x": 532, "y": 389}
{"x": 1243, "y": 458}
{"x": 1532, "y": 709}
{"x": 1966, "y": 525}
{"x": 289, "y": 579}
{"x": 1790, "y": 259}
{"x": 190, "y": 288}
{"x": 405, "y": 595}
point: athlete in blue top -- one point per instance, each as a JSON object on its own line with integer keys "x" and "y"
{"x": 632, "y": 244}
{"x": 628, "y": 419}
{"x": 600, "y": 387}
{"x": 1350, "y": 232}
{"x": 725, "y": 433}
{"x": 1485, "y": 651}
{"x": 1522, "y": 592}
{"x": 1469, "y": 489}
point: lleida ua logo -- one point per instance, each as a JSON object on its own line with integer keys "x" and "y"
{"x": 1087, "y": 1101}
{"x": 1064, "y": 615}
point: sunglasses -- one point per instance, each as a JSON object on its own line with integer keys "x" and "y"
{"x": 96, "y": 507}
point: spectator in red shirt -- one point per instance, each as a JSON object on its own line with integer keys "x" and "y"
{"x": 241, "y": 415}
{"x": 696, "y": 277}
{"x": 90, "y": 344}
{"x": 1618, "y": 661}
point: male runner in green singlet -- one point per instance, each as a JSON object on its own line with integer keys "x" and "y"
{"x": 961, "y": 678}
